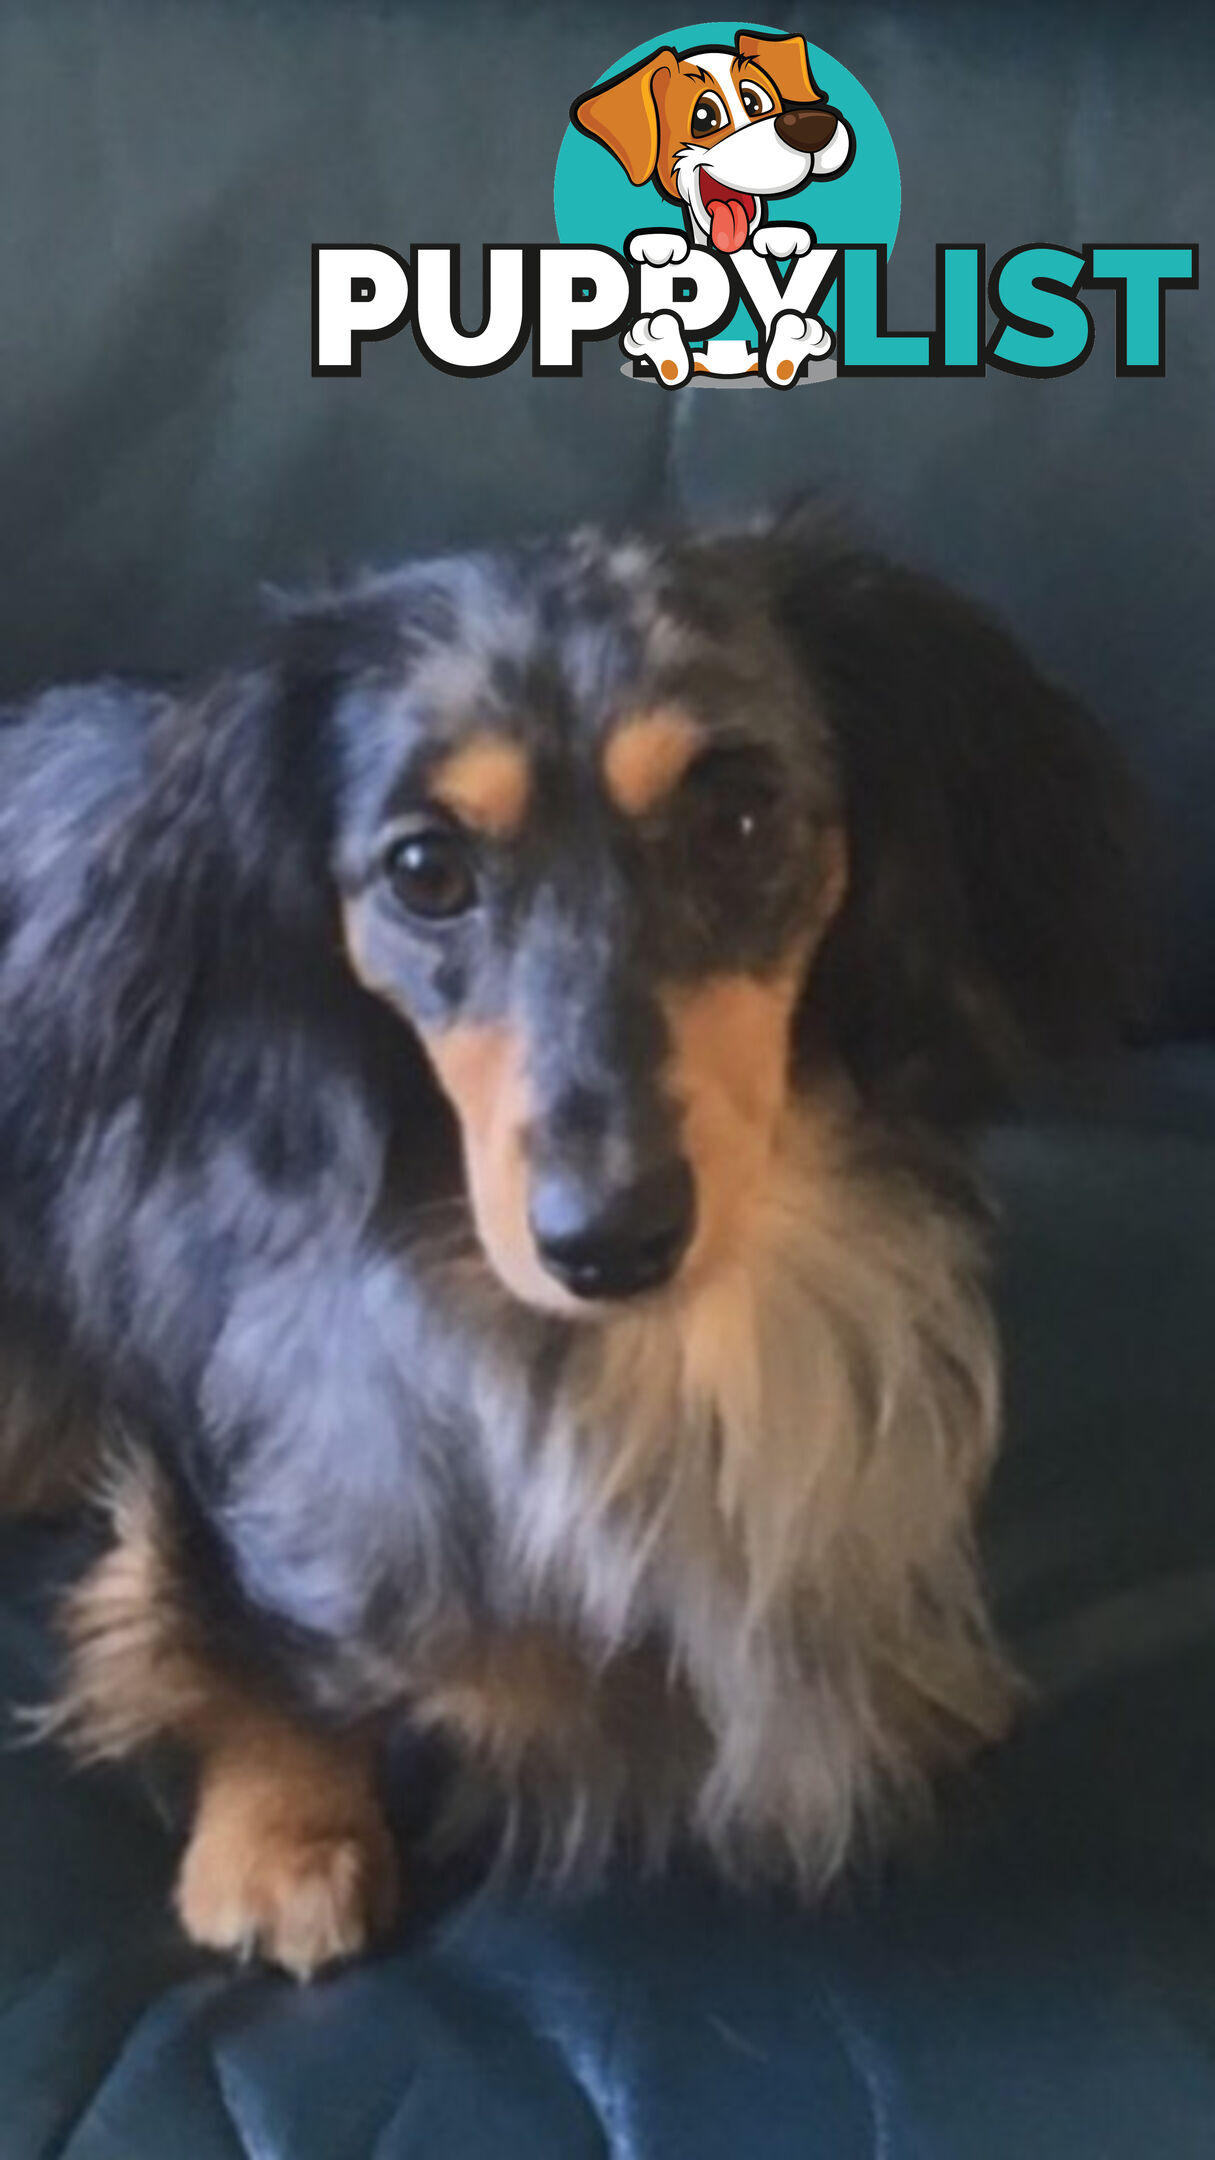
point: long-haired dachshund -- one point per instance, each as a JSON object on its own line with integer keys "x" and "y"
{"x": 482, "y": 1121}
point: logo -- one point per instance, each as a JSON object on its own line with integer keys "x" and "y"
{"x": 729, "y": 163}
{"x": 726, "y": 199}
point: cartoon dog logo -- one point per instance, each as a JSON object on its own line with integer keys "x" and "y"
{"x": 721, "y": 132}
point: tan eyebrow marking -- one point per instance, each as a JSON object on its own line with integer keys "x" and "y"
{"x": 486, "y": 784}
{"x": 646, "y": 757}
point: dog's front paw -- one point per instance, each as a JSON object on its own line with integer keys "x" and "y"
{"x": 782, "y": 241}
{"x": 287, "y": 1876}
{"x": 658, "y": 249}
{"x": 794, "y": 340}
{"x": 660, "y": 340}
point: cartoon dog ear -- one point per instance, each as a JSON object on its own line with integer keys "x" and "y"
{"x": 787, "y": 63}
{"x": 993, "y": 910}
{"x": 623, "y": 115}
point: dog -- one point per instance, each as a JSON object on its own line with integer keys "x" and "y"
{"x": 485, "y": 1198}
{"x": 719, "y": 132}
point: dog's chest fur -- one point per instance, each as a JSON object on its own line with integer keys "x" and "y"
{"x": 679, "y": 1543}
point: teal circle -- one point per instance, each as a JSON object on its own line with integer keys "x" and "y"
{"x": 596, "y": 204}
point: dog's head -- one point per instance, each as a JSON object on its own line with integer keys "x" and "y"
{"x": 639, "y": 838}
{"x": 721, "y": 130}
{"x": 589, "y": 841}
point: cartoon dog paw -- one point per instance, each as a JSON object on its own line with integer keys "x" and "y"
{"x": 660, "y": 339}
{"x": 658, "y": 249}
{"x": 782, "y": 241}
{"x": 794, "y": 340}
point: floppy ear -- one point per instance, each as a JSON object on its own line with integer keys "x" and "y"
{"x": 623, "y": 115}
{"x": 786, "y": 61}
{"x": 991, "y": 918}
{"x": 203, "y": 975}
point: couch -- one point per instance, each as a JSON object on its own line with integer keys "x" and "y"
{"x": 1036, "y": 1979}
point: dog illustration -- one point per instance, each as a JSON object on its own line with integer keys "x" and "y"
{"x": 720, "y": 132}
{"x": 484, "y": 1176}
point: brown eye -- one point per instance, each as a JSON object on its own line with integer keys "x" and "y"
{"x": 735, "y": 806}
{"x": 430, "y": 874}
{"x": 708, "y": 114}
{"x": 733, "y": 828}
{"x": 755, "y": 101}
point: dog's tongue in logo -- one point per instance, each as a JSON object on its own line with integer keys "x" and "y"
{"x": 730, "y": 213}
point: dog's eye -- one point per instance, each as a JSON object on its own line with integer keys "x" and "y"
{"x": 708, "y": 114}
{"x": 430, "y": 873}
{"x": 755, "y": 101}
{"x": 734, "y": 804}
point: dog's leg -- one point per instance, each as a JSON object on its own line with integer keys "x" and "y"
{"x": 660, "y": 340}
{"x": 792, "y": 341}
{"x": 658, "y": 335}
{"x": 289, "y": 1853}
{"x": 566, "y": 1758}
{"x": 658, "y": 249}
{"x": 785, "y": 242}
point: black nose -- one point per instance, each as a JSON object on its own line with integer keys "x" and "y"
{"x": 618, "y": 1247}
{"x": 806, "y": 127}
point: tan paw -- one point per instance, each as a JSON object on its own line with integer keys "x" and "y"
{"x": 300, "y": 1889}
